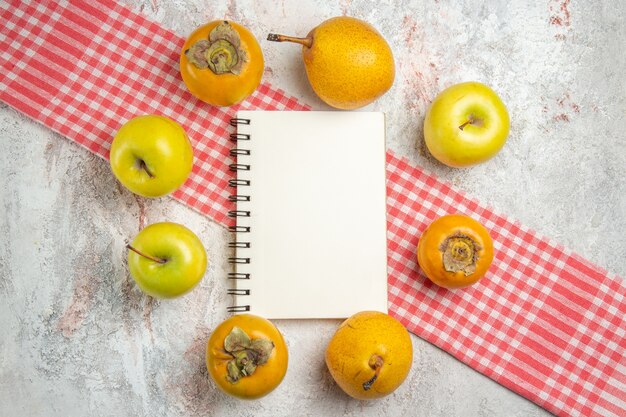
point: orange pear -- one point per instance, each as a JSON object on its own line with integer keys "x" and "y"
{"x": 348, "y": 63}
{"x": 370, "y": 355}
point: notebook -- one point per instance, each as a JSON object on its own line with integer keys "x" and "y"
{"x": 310, "y": 214}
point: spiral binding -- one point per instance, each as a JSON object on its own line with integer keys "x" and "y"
{"x": 236, "y": 197}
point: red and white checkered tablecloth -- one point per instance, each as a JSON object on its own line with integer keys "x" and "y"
{"x": 544, "y": 322}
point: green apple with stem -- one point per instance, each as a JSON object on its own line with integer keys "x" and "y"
{"x": 466, "y": 124}
{"x": 166, "y": 260}
{"x": 151, "y": 155}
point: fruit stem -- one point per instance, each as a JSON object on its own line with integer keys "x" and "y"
{"x": 308, "y": 42}
{"x": 152, "y": 258}
{"x": 142, "y": 165}
{"x": 476, "y": 121}
{"x": 376, "y": 363}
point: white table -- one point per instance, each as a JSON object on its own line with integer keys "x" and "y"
{"x": 78, "y": 338}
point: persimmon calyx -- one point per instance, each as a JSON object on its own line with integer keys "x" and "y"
{"x": 221, "y": 52}
{"x": 460, "y": 253}
{"x": 247, "y": 354}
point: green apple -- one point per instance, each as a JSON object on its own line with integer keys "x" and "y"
{"x": 166, "y": 260}
{"x": 466, "y": 124}
{"x": 151, "y": 155}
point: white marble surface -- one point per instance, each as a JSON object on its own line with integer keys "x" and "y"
{"x": 79, "y": 339}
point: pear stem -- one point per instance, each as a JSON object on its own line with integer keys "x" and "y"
{"x": 308, "y": 42}
{"x": 152, "y": 258}
{"x": 376, "y": 363}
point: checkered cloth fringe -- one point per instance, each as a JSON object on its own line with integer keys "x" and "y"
{"x": 544, "y": 322}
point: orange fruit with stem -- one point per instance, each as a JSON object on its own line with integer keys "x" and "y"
{"x": 370, "y": 355}
{"x": 348, "y": 62}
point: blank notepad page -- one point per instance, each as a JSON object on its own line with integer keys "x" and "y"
{"x": 317, "y": 214}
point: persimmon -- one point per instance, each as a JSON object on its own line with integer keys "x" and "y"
{"x": 247, "y": 356}
{"x": 221, "y": 63}
{"x": 455, "y": 251}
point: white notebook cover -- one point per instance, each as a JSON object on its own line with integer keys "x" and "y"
{"x": 318, "y": 246}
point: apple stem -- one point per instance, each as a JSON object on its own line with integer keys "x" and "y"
{"x": 308, "y": 42}
{"x": 152, "y": 258}
{"x": 142, "y": 165}
{"x": 376, "y": 363}
{"x": 472, "y": 121}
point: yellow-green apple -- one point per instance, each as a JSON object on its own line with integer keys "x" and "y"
{"x": 151, "y": 155}
{"x": 166, "y": 260}
{"x": 466, "y": 124}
